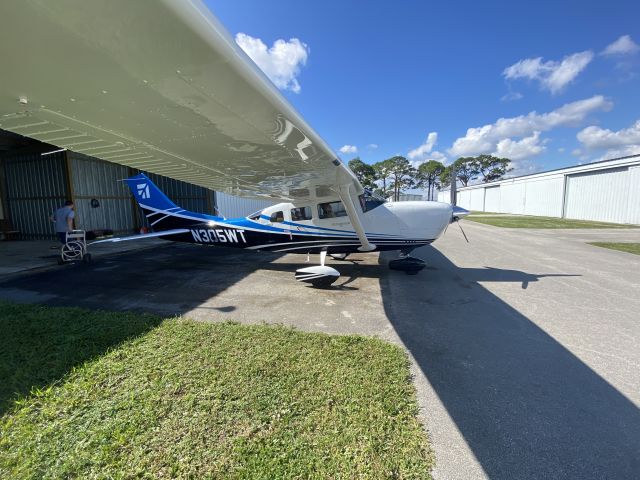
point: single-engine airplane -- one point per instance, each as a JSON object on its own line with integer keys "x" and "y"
{"x": 162, "y": 87}
{"x": 304, "y": 227}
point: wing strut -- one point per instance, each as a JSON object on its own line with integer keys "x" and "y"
{"x": 347, "y": 199}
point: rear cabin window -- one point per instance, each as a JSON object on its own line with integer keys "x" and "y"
{"x": 331, "y": 210}
{"x": 300, "y": 213}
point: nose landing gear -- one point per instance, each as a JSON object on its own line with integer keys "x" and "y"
{"x": 406, "y": 263}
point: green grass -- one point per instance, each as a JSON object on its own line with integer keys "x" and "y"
{"x": 525, "y": 221}
{"x": 108, "y": 395}
{"x": 623, "y": 247}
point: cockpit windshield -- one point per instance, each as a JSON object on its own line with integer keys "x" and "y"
{"x": 369, "y": 200}
{"x": 255, "y": 215}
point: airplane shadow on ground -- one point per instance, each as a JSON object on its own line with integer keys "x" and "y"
{"x": 166, "y": 281}
{"x": 526, "y": 406}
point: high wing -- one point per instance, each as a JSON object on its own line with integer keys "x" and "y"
{"x": 160, "y": 86}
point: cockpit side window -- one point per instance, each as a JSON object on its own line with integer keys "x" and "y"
{"x": 300, "y": 213}
{"x": 369, "y": 201}
{"x": 277, "y": 217}
{"x": 331, "y": 210}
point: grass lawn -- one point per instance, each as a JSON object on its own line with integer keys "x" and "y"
{"x": 114, "y": 395}
{"x": 623, "y": 247}
{"x": 525, "y": 221}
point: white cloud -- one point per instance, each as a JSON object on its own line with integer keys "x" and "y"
{"x": 348, "y": 149}
{"x": 552, "y": 75}
{"x": 372, "y": 146}
{"x": 511, "y": 96}
{"x": 625, "y": 151}
{"x": 621, "y": 143}
{"x": 561, "y": 150}
{"x": 485, "y": 139}
{"x": 438, "y": 156}
{"x": 425, "y": 148}
{"x": 622, "y": 46}
{"x": 520, "y": 149}
{"x": 281, "y": 63}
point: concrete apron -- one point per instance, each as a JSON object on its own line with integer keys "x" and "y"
{"x": 523, "y": 346}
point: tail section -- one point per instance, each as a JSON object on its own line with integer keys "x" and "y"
{"x": 160, "y": 211}
{"x": 148, "y": 195}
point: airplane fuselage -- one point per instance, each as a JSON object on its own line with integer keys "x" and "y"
{"x": 389, "y": 226}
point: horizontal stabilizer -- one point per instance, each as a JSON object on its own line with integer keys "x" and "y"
{"x": 164, "y": 233}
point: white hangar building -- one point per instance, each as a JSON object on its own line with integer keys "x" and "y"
{"x": 607, "y": 191}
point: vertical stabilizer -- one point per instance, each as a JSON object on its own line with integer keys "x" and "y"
{"x": 147, "y": 194}
{"x": 160, "y": 211}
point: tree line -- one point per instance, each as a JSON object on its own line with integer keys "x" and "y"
{"x": 393, "y": 176}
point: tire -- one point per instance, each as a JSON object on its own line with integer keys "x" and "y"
{"x": 86, "y": 258}
{"x": 409, "y": 265}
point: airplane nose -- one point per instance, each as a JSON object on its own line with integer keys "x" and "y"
{"x": 458, "y": 213}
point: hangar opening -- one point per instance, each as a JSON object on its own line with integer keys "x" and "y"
{"x": 36, "y": 178}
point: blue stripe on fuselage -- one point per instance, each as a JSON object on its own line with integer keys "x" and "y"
{"x": 244, "y": 222}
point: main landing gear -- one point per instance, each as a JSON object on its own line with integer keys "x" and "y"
{"x": 406, "y": 263}
{"x": 319, "y": 276}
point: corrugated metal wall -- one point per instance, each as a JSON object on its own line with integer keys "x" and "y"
{"x": 601, "y": 195}
{"x": 464, "y": 199}
{"x": 233, "y": 207}
{"x": 186, "y": 195}
{"x": 476, "y": 202}
{"x": 95, "y": 179}
{"x": 605, "y": 194}
{"x": 633, "y": 205}
{"x": 543, "y": 197}
{"x": 492, "y": 199}
{"x": 512, "y": 198}
{"x": 36, "y": 186}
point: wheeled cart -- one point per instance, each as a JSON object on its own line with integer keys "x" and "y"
{"x": 75, "y": 248}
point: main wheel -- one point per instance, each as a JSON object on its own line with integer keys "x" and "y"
{"x": 318, "y": 276}
{"x": 409, "y": 265}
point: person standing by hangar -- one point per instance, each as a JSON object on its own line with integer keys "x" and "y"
{"x": 63, "y": 219}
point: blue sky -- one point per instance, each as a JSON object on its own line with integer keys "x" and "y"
{"x": 431, "y": 80}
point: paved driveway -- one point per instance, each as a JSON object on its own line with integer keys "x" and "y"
{"x": 524, "y": 344}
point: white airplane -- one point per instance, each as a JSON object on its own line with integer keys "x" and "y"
{"x": 162, "y": 87}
